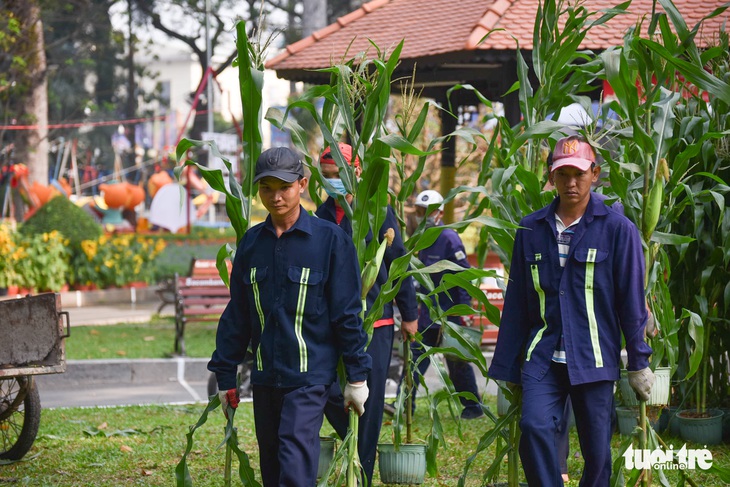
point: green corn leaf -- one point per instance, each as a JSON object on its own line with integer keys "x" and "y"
{"x": 251, "y": 86}
{"x": 403, "y": 145}
{"x": 670, "y": 238}
{"x": 182, "y": 473}
{"x": 696, "y": 331}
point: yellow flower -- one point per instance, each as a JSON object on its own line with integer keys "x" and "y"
{"x": 89, "y": 248}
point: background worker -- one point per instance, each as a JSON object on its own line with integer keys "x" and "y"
{"x": 576, "y": 284}
{"x": 448, "y": 246}
{"x": 381, "y": 344}
{"x": 295, "y": 296}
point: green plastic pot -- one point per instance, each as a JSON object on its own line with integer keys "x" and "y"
{"x": 406, "y": 465}
{"x": 326, "y": 454}
{"x": 705, "y": 431}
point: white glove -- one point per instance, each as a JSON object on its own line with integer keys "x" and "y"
{"x": 641, "y": 382}
{"x": 228, "y": 399}
{"x": 355, "y": 396}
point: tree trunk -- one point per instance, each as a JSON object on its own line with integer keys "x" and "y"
{"x": 32, "y": 145}
{"x": 314, "y": 16}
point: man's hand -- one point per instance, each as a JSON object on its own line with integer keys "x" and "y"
{"x": 650, "y": 330}
{"x": 641, "y": 382}
{"x": 409, "y": 330}
{"x": 228, "y": 399}
{"x": 355, "y": 396}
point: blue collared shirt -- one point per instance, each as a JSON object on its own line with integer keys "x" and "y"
{"x": 593, "y": 300}
{"x": 296, "y": 299}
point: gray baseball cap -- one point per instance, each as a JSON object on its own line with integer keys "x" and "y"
{"x": 281, "y": 163}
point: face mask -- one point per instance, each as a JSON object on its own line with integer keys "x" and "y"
{"x": 430, "y": 221}
{"x": 337, "y": 185}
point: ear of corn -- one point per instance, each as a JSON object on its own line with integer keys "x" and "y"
{"x": 370, "y": 272}
{"x": 652, "y": 209}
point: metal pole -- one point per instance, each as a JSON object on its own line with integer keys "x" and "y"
{"x": 208, "y": 49}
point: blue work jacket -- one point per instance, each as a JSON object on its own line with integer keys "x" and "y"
{"x": 596, "y": 297}
{"x": 296, "y": 299}
{"x": 448, "y": 246}
{"x": 406, "y": 296}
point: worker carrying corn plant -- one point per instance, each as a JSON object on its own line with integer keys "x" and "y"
{"x": 576, "y": 285}
{"x": 295, "y": 298}
{"x": 381, "y": 342}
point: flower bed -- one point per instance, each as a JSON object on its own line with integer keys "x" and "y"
{"x": 49, "y": 262}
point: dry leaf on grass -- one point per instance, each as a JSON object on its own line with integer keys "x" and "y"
{"x": 126, "y": 449}
{"x": 149, "y": 338}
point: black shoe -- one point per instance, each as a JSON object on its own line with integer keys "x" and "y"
{"x": 472, "y": 413}
{"x": 389, "y": 409}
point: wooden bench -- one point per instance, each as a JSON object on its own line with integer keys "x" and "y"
{"x": 489, "y": 337}
{"x": 202, "y": 296}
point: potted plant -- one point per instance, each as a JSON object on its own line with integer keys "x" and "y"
{"x": 403, "y": 462}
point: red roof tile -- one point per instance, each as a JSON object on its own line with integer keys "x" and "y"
{"x": 442, "y": 27}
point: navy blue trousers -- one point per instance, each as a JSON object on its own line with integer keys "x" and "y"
{"x": 564, "y": 437}
{"x": 460, "y": 373}
{"x": 380, "y": 349}
{"x": 543, "y": 406}
{"x": 288, "y": 422}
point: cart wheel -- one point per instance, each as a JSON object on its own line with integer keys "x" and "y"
{"x": 20, "y": 416}
{"x": 244, "y": 370}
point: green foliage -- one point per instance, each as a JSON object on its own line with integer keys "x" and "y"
{"x": 62, "y": 215}
{"x": 42, "y": 262}
{"x": 115, "y": 261}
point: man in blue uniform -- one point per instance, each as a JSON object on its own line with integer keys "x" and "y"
{"x": 448, "y": 246}
{"x": 295, "y": 297}
{"x": 576, "y": 284}
{"x": 381, "y": 343}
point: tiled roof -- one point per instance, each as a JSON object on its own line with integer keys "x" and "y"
{"x": 442, "y": 27}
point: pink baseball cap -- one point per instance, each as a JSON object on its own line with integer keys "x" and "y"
{"x": 346, "y": 149}
{"x": 575, "y": 152}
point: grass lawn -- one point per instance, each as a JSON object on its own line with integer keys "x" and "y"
{"x": 145, "y": 443}
{"x": 143, "y": 340}
{"x": 141, "y": 445}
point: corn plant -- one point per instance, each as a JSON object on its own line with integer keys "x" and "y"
{"x": 664, "y": 175}
{"x": 238, "y": 208}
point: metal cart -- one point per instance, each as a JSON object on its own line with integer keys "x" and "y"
{"x": 32, "y": 332}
